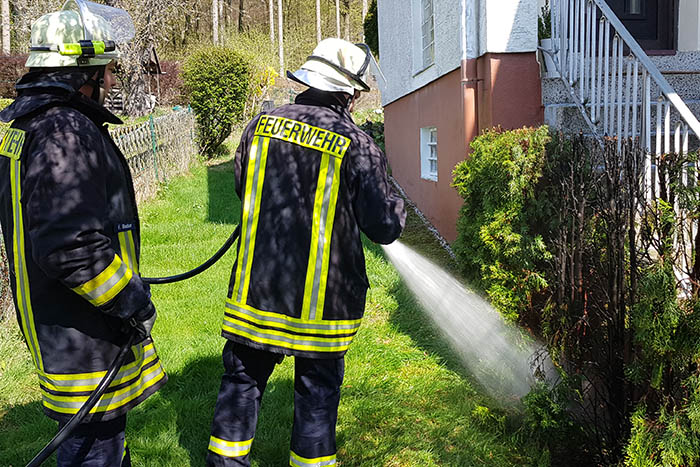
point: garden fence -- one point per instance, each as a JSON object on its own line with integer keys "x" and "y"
{"x": 156, "y": 149}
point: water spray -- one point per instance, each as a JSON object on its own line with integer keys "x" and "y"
{"x": 495, "y": 352}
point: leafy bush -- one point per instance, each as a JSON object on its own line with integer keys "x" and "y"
{"x": 217, "y": 80}
{"x": 172, "y": 87}
{"x": 11, "y": 69}
{"x": 497, "y": 245}
{"x": 376, "y": 131}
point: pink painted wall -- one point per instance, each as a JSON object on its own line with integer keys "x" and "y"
{"x": 509, "y": 94}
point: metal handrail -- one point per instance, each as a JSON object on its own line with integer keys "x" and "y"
{"x": 589, "y": 44}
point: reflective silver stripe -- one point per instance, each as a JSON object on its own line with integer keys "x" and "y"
{"x": 108, "y": 284}
{"x": 290, "y": 339}
{"x": 134, "y": 368}
{"x": 251, "y": 220}
{"x": 328, "y": 188}
{"x": 21, "y": 279}
{"x": 296, "y": 460}
{"x": 305, "y": 326}
{"x": 229, "y": 448}
{"x": 108, "y": 399}
{"x": 128, "y": 253}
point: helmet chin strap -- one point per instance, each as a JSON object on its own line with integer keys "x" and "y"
{"x": 98, "y": 90}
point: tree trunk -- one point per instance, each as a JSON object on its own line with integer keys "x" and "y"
{"x": 271, "y": 6}
{"x": 137, "y": 99}
{"x": 337, "y": 18}
{"x": 215, "y": 21}
{"x": 222, "y": 21}
{"x": 347, "y": 20}
{"x": 6, "y": 27}
{"x": 318, "y": 21}
{"x": 280, "y": 35}
{"x": 241, "y": 13}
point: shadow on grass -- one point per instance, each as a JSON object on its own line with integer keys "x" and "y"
{"x": 189, "y": 399}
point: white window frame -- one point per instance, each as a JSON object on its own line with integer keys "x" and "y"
{"x": 429, "y": 153}
{"x": 427, "y": 32}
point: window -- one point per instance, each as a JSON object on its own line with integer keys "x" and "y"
{"x": 428, "y": 153}
{"x": 427, "y": 32}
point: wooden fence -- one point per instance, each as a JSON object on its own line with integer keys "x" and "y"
{"x": 156, "y": 149}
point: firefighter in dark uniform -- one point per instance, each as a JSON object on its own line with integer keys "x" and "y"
{"x": 71, "y": 231}
{"x": 310, "y": 182}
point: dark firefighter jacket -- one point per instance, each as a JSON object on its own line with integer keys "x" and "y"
{"x": 310, "y": 181}
{"x": 71, "y": 232}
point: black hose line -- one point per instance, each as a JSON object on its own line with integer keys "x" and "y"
{"x": 202, "y": 267}
{"x": 68, "y": 428}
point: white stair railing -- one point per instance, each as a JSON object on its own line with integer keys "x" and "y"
{"x": 611, "y": 79}
{"x": 621, "y": 93}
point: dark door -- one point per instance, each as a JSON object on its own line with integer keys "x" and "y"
{"x": 651, "y": 22}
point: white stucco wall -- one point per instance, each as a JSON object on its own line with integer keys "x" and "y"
{"x": 497, "y": 26}
{"x": 689, "y": 25}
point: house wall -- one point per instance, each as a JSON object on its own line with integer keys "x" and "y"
{"x": 399, "y": 47}
{"x": 439, "y": 104}
{"x": 485, "y": 74}
{"x": 689, "y": 25}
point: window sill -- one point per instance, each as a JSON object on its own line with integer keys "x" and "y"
{"x": 429, "y": 179}
{"x": 421, "y": 70}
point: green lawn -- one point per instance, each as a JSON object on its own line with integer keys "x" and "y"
{"x": 405, "y": 401}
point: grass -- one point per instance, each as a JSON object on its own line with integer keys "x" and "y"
{"x": 406, "y": 401}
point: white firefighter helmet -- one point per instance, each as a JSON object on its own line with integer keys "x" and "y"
{"x": 336, "y": 65}
{"x": 83, "y": 33}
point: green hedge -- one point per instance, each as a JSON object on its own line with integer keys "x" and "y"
{"x": 217, "y": 80}
{"x": 497, "y": 245}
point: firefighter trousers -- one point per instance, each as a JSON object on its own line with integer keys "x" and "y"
{"x": 316, "y": 397}
{"x": 96, "y": 444}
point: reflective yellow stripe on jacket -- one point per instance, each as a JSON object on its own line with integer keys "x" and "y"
{"x": 11, "y": 146}
{"x": 107, "y": 284}
{"x": 59, "y": 391}
{"x": 311, "y": 332}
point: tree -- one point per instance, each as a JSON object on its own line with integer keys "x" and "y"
{"x": 272, "y": 21}
{"x": 5, "y": 13}
{"x": 337, "y": 18}
{"x": 364, "y": 15}
{"x": 215, "y": 21}
{"x": 280, "y": 34}
{"x": 241, "y": 13}
{"x": 371, "y": 29}
{"x": 318, "y": 20}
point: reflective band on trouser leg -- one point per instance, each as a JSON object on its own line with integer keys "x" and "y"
{"x": 22, "y": 293}
{"x": 107, "y": 284}
{"x": 255, "y": 177}
{"x": 128, "y": 250}
{"x": 229, "y": 448}
{"x": 298, "y": 461}
{"x": 319, "y": 253}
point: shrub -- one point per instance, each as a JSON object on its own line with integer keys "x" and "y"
{"x": 11, "y": 69}
{"x": 497, "y": 245}
{"x": 172, "y": 87}
{"x": 217, "y": 80}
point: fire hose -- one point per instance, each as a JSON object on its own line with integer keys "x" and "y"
{"x": 68, "y": 428}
